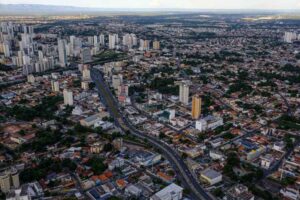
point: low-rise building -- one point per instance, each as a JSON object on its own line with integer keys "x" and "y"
{"x": 90, "y": 121}
{"x": 266, "y": 161}
{"x": 290, "y": 193}
{"x": 171, "y": 192}
{"x": 211, "y": 176}
{"x": 209, "y": 123}
{"x": 238, "y": 192}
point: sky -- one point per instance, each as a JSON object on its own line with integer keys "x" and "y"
{"x": 178, "y": 4}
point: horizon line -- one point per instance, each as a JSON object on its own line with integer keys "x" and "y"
{"x": 158, "y": 9}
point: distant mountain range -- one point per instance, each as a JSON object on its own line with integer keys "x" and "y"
{"x": 39, "y": 9}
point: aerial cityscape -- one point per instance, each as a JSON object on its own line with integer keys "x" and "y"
{"x": 149, "y": 100}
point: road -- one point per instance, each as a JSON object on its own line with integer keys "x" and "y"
{"x": 172, "y": 156}
{"x": 276, "y": 166}
{"x": 289, "y": 110}
{"x": 181, "y": 130}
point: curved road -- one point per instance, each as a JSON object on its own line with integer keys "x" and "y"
{"x": 175, "y": 160}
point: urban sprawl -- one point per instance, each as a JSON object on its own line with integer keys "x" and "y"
{"x": 159, "y": 107}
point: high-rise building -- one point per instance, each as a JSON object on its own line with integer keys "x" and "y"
{"x": 117, "y": 80}
{"x": 26, "y": 40}
{"x": 156, "y": 45}
{"x": 102, "y": 40}
{"x": 86, "y": 73}
{"x": 55, "y": 86}
{"x": 68, "y": 97}
{"x": 27, "y": 69}
{"x": 6, "y": 49}
{"x": 196, "y": 106}
{"x": 20, "y": 58}
{"x": 86, "y": 55}
{"x": 41, "y": 55}
{"x": 96, "y": 42}
{"x": 26, "y": 60}
{"x": 129, "y": 40}
{"x": 144, "y": 45}
{"x": 62, "y": 53}
{"x": 28, "y": 29}
{"x": 289, "y": 37}
{"x": 30, "y": 78}
{"x": 9, "y": 179}
{"x": 123, "y": 90}
{"x": 113, "y": 40}
{"x": 85, "y": 85}
{"x": 184, "y": 92}
{"x": 15, "y": 181}
{"x": 90, "y": 40}
{"x": 4, "y": 182}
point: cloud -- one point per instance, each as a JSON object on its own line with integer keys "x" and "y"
{"x": 196, "y": 4}
{"x": 155, "y": 3}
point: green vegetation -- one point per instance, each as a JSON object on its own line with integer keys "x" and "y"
{"x": 292, "y": 79}
{"x": 21, "y": 112}
{"x": 5, "y": 67}
{"x": 253, "y": 173}
{"x": 202, "y": 35}
{"x": 76, "y": 83}
{"x": 164, "y": 69}
{"x": 97, "y": 165}
{"x": 289, "y": 140}
{"x": 79, "y": 129}
{"x": 261, "y": 193}
{"x": 108, "y": 56}
{"x": 2, "y": 195}
{"x": 44, "y": 167}
{"x": 232, "y": 161}
{"x": 164, "y": 86}
{"x": 218, "y": 192}
{"x": 239, "y": 86}
{"x": 201, "y": 137}
{"x": 43, "y": 138}
{"x": 288, "y": 181}
{"x": 114, "y": 198}
{"x": 161, "y": 135}
{"x": 2, "y": 119}
{"x": 291, "y": 68}
{"x": 248, "y": 106}
{"x": 223, "y": 128}
{"x": 108, "y": 147}
{"x": 228, "y": 136}
{"x": 207, "y": 101}
{"x": 289, "y": 123}
{"x": 136, "y": 89}
{"x": 45, "y": 109}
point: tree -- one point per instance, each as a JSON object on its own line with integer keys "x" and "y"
{"x": 113, "y": 198}
{"x": 22, "y": 132}
{"x": 97, "y": 165}
{"x": 76, "y": 83}
{"x": 161, "y": 135}
{"x": 232, "y": 161}
{"x": 81, "y": 129}
{"x": 288, "y": 181}
{"x": 184, "y": 156}
{"x": 69, "y": 164}
{"x": 108, "y": 147}
{"x": 218, "y": 192}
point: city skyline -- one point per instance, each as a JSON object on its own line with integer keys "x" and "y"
{"x": 162, "y": 100}
{"x": 178, "y": 4}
